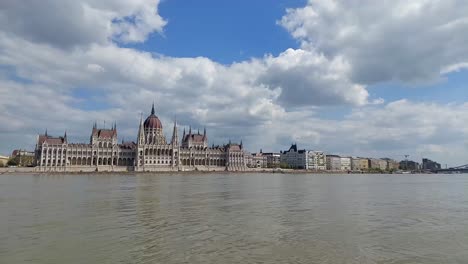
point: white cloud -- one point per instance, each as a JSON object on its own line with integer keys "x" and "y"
{"x": 70, "y": 23}
{"x": 409, "y": 41}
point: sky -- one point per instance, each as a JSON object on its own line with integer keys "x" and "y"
{"x": 359, "y": 78}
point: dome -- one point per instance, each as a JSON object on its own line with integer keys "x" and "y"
{"x": 152, "y": 121}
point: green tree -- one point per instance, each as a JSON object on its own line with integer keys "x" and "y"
{"x": 12, "y": 162}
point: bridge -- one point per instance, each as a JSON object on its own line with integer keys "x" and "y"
{"x": 459, "y": 169}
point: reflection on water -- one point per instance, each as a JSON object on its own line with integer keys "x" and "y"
{"x": 227, "y": 218}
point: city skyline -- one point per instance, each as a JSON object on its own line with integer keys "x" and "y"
{"x": 320, "y": 73}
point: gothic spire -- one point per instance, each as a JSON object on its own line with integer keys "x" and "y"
{"x": 46, "y": 132}
{"x": 141, "y": 136}
{"x": 175, "y": 136}
{"x": 152, "y": 109}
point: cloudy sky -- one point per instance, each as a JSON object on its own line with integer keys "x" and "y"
{"x": 353, "y": 77}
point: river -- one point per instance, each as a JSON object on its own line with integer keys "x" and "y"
{"x": 233, "y": 218}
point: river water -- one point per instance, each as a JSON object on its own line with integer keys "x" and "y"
{"x": 229, "y": 218}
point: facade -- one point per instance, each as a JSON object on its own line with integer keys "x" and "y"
{"x": 303, "y": 159}
{"x": 273, "y": 159}
{"x": 293, "y": 157}
{"x": 378, "y": 164}
{"x": 257, "y": 160}
{"x": 316, "y": 160}
{"x": 333, "y": 163}
{"x": 360, "y": 164}
{"x": 392, "y": 165}
{"x": 409, "y": 165}
{"x": 345, "y": 163}
{"x": 151, "y": 152}
{"x": 429, "y": 165}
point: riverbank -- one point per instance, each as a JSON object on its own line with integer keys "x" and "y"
{"x": 33, "y": 170}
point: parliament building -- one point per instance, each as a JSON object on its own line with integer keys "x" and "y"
{"x": 151, "y": 151}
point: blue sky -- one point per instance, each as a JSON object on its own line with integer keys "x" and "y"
{"x": 225, "y": 31}
{"x": 328, "y": 74}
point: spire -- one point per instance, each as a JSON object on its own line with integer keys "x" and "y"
{"x": 175, "y": 136}
{"x": 198, "y": 131}
{"x": 204, "y": 131}
{"x": 65, "y": 135}
{"x": 141, "y": 136}
{"x": 45, "y": 132}
{"x": 190, "y": 130}
{"x": 183, "y": 136}
{"x": 152, "y": 109}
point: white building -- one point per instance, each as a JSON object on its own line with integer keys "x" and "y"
{"x": 316, "y": 160}
{"x": 304, "y": 159}
{"x": 346, "y": 163}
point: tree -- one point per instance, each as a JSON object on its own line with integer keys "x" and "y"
{"x": 12, "y": 162}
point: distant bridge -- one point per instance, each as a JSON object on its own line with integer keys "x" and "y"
{"x": 459, "y": 169}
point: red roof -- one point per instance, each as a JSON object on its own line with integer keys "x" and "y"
{"x": 234, "y": 147}
{"x": 104, "y": 133}
{"x": 51, "y": 140}
{"x": 195, "y": 138}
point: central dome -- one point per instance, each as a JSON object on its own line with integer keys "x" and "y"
{"x": 152, "y": 121}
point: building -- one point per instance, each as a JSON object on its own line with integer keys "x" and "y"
{"x": 333, "y": 163}
{"x": 360, "y": 164}
{"x": 4, "y": 161}
{"x": 151, "y": 151}
{"x": 378, "y": 164}
{"x": 409, "y": 165}
{"x": 293, "y": 158}
{"x": 23, "y": 158}
{"x": 429, "y": 165}
{"x": 257, "y": 160}
{"x": 392, "y": 165}
{"x": 303, "y": 159}
{"x": 316, "y": 160}
{"x": 273, "y": 159}
{"x": 345, "y": 163}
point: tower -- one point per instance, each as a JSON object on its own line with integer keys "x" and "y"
{"x": 175, "y": 147}
{"x": 140, "y": 145}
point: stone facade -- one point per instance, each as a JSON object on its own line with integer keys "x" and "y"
{"x": 151, "y": 152}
